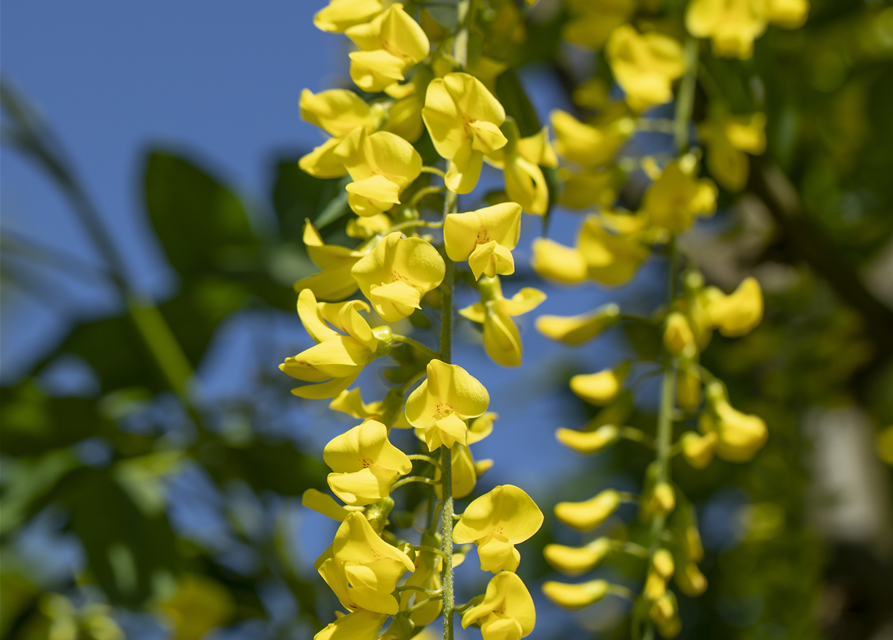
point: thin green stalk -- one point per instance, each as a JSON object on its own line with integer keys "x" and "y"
{"x": 686, "y": 99}
{"x": 431, "y": 353}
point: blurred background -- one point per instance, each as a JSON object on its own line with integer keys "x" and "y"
{"x": 153, "y": 458}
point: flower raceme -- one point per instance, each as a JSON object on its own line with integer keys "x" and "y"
{"x": 390, "y": 44}
{"x": 507, "y": 611}
{"x": 441, "y": 404}
{"x": 496, "y": 522}
{"x": 463, "y": 119}
{"x": 397, "y": 273}
{"x": 502, "y": 340}
{"x": 338, "y": 358}
{"x": 485, "y": 238}
{"x": 381, "y": 165}
{"x": 364, "y": 464}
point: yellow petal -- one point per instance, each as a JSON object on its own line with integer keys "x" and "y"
{"x": 324, "y": 504}
{"x": 591, "y": 188}
{"x": 505, "y": 592}
{"x": 575, "y": 596}
{"x": 448, "y": 389}
{"x": 481, "y": 427}
{"x": 340, "y": 15}
{"x": 337, "y": 111}
{"x": 589, "y": 514}
{"x": 575, "y": 330}
{"x": 588, "y": 442}
{"x": 465, "y": 168}
{"x": 527, "y": 299}
{"x": 644, "y": 65}
{"x": 359, "y": 625}
{"x": 691, "y": 581}
{"x": 464, "y": 232}
{"x": 698, "y": 450}
{"x": 738, "y": 313}
{"x": 599, "y": 388}
{"x": 585, "y": 144}
{"x": 501, "y": 338}
{"x": 323, "y": 162}
{"x": 443, "y": 119}
{"x": 678, "y": 336}
{"x": 374, "y": 71}
{"x": 577, "y": 560}
{"x": 558, "y": 262}
{"x": 740, "y": 436}
{"x": 497, "y": 554}
{"x": 507, "y": 510}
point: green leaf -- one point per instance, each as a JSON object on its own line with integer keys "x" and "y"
{"x": 298, "y": 196}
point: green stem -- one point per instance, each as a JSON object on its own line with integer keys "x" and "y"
{"x": 686, "y": 99}
{"x": 408, "y": 479}
{"x": 424, "y": 458}
{"x": 431, "y": 353}
{"x": 446, "y": 544}
{"x": 434, "y": 170}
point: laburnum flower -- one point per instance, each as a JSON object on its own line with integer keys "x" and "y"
{"x": 678, "y": 336}
{"x": 405, "y": 114}
{"x": 592, "y": 21}
{"x": 573, "y": 561}
{"x": 359, "y": 625}
{"x": 381, "y": 166}
{"x": 340, "y": 15}
{"x": 609, "y": 250}
{"x": 335, "y": 282}
{"x": 728, "y": 140}
{"x": 496, "y": 522}
{"x": 325, "y": 504}
{"x": 463, "y": 119}
{"x": 338, "y": 112}
{"x": 521, "y": 159}
{"x": 397, "y": 273}
{"x": 733, "y": 25}
{"x": 485, "y": 238}
{"x": 677, "y": 196}
{"x": 391, "y": 44}
{"x": 587, "y": 515}
{"x": 586, "y": 144}
{"x": 698, "y": 449}
{"x": 362, "y": 569}
{"x": 600, "y": 388}
{"x": 337, "y": 359}
{"x": 426, "y": 576}
{"x": 588, "y": 442}
{"x": 365, "y": 464}
{"x": 592, "y": 187}
{"x": 507, "y": 611}
{"x": 501, "y": 338}
{"x": 575, "y": 596}
{"x": 690, "y": 580}
{"x": 739, "y": 436}
{"x": 738, "y": 313}
{"x": 442, "y": 403}
{"x": 351, "y": 403}
{"x": 644, "y": 66}
{"x": 464, "y": 473}
{"x": 574, "y": 330}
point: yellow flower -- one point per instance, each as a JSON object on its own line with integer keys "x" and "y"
{"x": 359, "y": 625}
{"x": 590, "y": 146}
{"x": 738, "y": 313}
{"x": 698, "y": 450}
{"x": 663, "y": 499}
{"x": 688, "y": 387}
{"x": 576, "y": 330}
{"x": 507, "y": 612}
{"x": 485, "y": 238}
{"x": 588, "y": 442}
{"x": 573, "y": 561}
{"x": 405, "y": 114}
{"x": 600, "y": 388}
{"x": 335, "y": 282}
{"x": 362, "y": 569}
{"x": 463, "y": 119}
{"x": 337, "y": 359}
{"x": 338, "y": 112}
{"x": 365, "y": 464}
{"x": 575, "y": 596}
{"x": 733, "y": 25}
{"x": 496, "y": 522}
{"x": 677, "y": 196}
{"x": 198, "y": 606}
{"x": 381, "y": 166}
{"x": 691, "y": 581}
{"x": 391, "y": 44}
{"x": 501, "y": 338}
{"x": 442, "y": 403}
{"x": 520, "y": 159}
{"x": 728, "y": 141}
{"x": 351, "y": 403}
{"x": 340, "y": 15}
{"x": 427, "y": 576}
{"x": 593, "y": 21}
{"x": 678, "y": 336}
{"x": 397, "y": 273}
{"x": 590, "y": 188}
{"x": 464, "y": 473}
{"x": 739, "y": 436}
{"x": 664, "y": 613}
{"x": 644, "y": 65}
{"x": 609, "y": 250}
{"x": 587, "y": 515}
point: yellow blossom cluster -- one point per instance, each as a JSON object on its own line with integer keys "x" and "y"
{"x": 392, "y": 560}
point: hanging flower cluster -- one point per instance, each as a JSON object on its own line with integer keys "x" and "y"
{"x": 391, "y": 563}
{"x": 697, "y": 420}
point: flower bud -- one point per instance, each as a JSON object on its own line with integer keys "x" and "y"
{"x": 678, "y": 336}
{"x": 691, "y": 581}
{"x": 588, "y": 442}
{"x": 663, "y": 499}
{"x": 698, "y": 450}
{"x": 688, "y": 388}
{"x": 665, "y": 616}
{"x": 663, "y": 564}
{"x": 600, "y": 388}
{"x": 576, "y": 560}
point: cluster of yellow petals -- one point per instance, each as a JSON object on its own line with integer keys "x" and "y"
{"x": 733, "y": 25}
{"x": 507, "y": 611}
